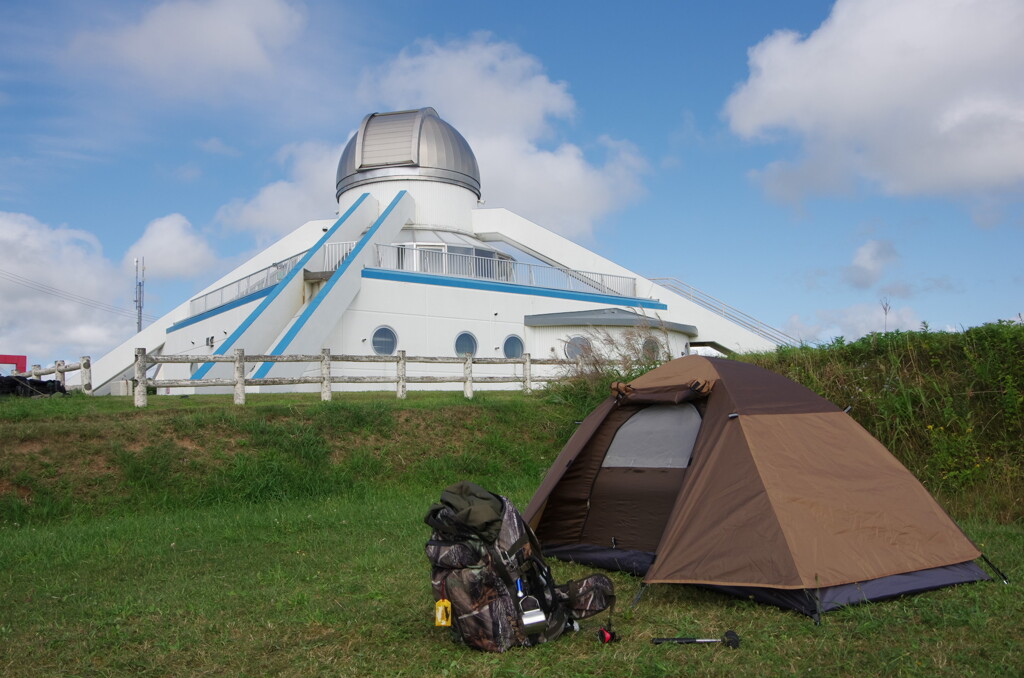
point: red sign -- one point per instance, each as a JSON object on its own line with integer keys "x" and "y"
{"x": 20, "y": 362}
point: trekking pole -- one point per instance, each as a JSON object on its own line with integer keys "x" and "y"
{"x": 730, "y": 639}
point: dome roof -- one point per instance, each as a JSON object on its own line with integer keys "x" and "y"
{"x": 407, "y": 145}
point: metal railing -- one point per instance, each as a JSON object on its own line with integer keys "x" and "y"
{"x": 723, "y": 310}
{"x": 439, "y": 262}
{"x": 424, "y": 260}
{"x": 335, "y": 253}
{"x": 250, "y": 284}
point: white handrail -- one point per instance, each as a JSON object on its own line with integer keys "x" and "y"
{"x": 250, "y": 284}
{"x": 439, "y": 262}
{"x": 720, "y": 308}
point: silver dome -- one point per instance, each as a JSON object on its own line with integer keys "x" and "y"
{"x": 407, "y": 145}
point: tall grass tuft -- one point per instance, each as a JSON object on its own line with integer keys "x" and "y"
{"x": 606, "y": 360}
{"x": 949, "y": 405}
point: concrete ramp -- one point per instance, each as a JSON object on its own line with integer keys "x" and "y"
{"x": 307, "y": 333}
{"x": 267, "y": 320}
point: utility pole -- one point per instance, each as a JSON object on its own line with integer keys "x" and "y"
{"x": 140, "y": 284}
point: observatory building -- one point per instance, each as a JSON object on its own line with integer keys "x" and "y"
{"x": 414, "y": 262}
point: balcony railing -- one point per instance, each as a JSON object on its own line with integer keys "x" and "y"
{"x": 439, "y": 262}
{"x": 250, "y": 284}
{"x": 427, "y": 260}
{"x": 335, "y": 253}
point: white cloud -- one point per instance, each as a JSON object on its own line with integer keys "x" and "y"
{"x": 491, "y": 88}
{"x": 41, "y": 319}
{"x": 899, "y": 289}
{"x": 852, "y": 322}
{"x": 171, "y": 248}
{"x": 920, "y": 97}
{"x": 216, "y": 146}
{"x": 929, "y": 285}
{"x": 559, "y": 189}
{"x": 280, "y": 207}
{"x": 188, "y": 173}
{"x": 869, "y": 263}
{"x": 191, "y": 48}
{"x": 496, "y": 95}
{"x": 501, "y": 100}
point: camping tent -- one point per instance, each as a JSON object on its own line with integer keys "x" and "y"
{"x": 715, "y": 472}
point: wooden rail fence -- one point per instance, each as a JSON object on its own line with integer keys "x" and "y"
{"x": 143, "y": 361}
{"x": 60, "y": 369}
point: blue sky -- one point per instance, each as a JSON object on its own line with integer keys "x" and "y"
{"x": 801, "y": 161}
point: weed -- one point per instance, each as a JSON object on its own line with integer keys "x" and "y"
{"x": 947, "y": 404}
{"x": 606, "y": 359}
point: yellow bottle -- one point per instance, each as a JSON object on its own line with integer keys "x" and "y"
{"x": 443, "y": 613}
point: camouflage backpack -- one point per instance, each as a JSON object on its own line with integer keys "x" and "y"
{"x": 490, "y": 581}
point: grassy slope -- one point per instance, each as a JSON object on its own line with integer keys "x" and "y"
{"x": 87, "y": 456}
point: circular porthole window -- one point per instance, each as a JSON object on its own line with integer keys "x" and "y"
{"x": 577, "y": 347}
{"x": 513, "y": 347}
{"x": 385, "y": 341}
{"x": 652, "y": 349}
{"x": 465, "y": 344}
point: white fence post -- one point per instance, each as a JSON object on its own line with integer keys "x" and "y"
{"x": 35, "y": 372}
{"x": 467, "y": 373}
{"x": 140, "y": 378}
{"x": 527, "y": 378}
{"x": 239, "y": 376}
{"x": 58, "y": 370}
{"x": 325, "y": 374}
{"x": 400, "y": 387}
{"x": 86, "y": 375}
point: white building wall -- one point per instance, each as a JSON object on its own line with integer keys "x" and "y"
{"x": 191, "y": 340}
{"x": 118, "y": 363}
{"x": 549, "y": 342}
{"x": 428, "y": 318}
{"x": 437, "y": 204}
{"x": 501, "y": 224}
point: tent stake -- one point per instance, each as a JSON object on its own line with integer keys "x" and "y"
{"x": 636, "y": 599}
{"x": 1006, "y": 580}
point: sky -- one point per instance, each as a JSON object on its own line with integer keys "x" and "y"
{"x": 831, "y": 170}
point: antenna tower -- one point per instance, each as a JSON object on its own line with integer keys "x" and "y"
{"x": 140, "y": 284}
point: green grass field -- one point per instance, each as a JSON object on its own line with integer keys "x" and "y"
{"x": 286, "y": 538}
{"x": 340, "y": 586}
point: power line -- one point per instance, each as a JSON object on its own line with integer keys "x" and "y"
{"x": 68, "y": 296}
